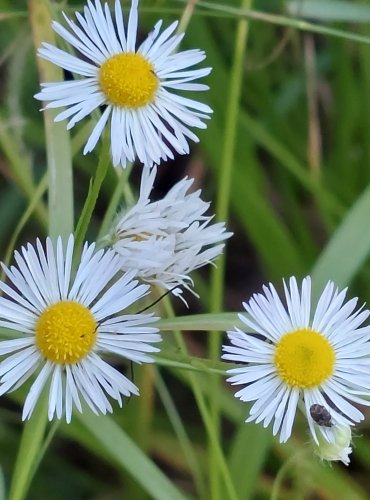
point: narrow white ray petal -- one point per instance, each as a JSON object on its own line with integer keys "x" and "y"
{"x": 120, "y": 25}
{"x": 55, "y": 394}
{"x": 71, "y": 394}
{"x": 132, "y": 27}
{"x": 149, "y": 40}
{"x": 36, "y": 389}
{"x": 97, "y": 130}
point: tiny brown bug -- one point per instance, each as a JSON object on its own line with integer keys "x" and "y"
{"x": 320, "y": 415}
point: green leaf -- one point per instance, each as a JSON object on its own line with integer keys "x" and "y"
{"x": 348, "y": 248}
{"x": 29, "y": 450}
{"x": 330, "y": 10}
{"x": 2, "y": 485}
{"x": 126, "y": 454}
{"x": 256, "y": 441}
{"x": 201, "y": 322}
{"x": 58, "y": 146}
{"x": 279, "y": 20}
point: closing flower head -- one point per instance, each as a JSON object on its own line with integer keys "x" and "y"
{"x": 339, "y": 449}
{"x": 65, "y": 324}
{"x": 166, "y": 240}
{"x": 136, "y": 85}
{"x": 293, "y": 359}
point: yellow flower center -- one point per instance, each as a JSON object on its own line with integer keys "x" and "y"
{"x": 65, "y": 332}
{"x": 304, "y": 358}
{"x": 128, "y": 80}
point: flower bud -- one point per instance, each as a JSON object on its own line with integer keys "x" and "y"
{"x": 337, "y": 450}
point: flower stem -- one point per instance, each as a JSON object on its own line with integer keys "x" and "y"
{"x": 29, "y": 450}
{"x": 222, "y": 210}
{"x": 219, "y": 457}
{"x": 92, "y": 196}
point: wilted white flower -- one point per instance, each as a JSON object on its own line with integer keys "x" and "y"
{"x": 298, "y": 359}
{"x": 136, "y": 85}
{"x": 166, "y": 240}
{"x": 66, "y": 323}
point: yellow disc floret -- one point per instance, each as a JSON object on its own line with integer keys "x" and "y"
{"x": 304, "y": 358}
{"x": 128, "y": 80}
{"x": 66, "y": 332}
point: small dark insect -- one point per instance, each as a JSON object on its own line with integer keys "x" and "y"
{"x": 320, "y": 415}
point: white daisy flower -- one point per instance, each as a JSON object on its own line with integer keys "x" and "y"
{"x": 299, "y": 358}
{"x": 166, "y": 240}
{"x": 66, "y": 323}
{"x": 136, "y": 85}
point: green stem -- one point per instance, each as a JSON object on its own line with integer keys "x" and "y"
{"x": 145, "y": 413}
{"x": 279, "y": 20}
{"x": 205, "y": 414}
{"x": 29, "y": 450}
{"x": 92, "y": 196}
{"x": 186, "y": 16}
{"x": 291, "y": 463}
{"x": 121, "y": 188}
{"x": 180, "y": 430}
{"x": 222, "y": 210}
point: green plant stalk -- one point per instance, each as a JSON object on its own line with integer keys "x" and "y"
{"x": 112, "y": 209}
{"x": 182, "y": 436}
{"x": 60, "y": 223}
{"x": 281, "y": 21}
{"x": 29, "y": 450}
{"x": 284, "y": 470}
{"x": 205, "y": 414}
{"x": 58, "y": 148}
{"x": 222, "y": 209}
{"x": 92, "y": 196}
{"x": 186, "y": 16}
{"x": 145, "y": 414}
{"x": 2, "y": 485}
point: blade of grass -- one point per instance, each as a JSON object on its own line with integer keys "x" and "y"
{"x": 2, "y": 485}
{"x": 347, "y": 249}
{"x": 58, "y": 146}
{"x": 330, "y": 10}
{"x": 60, "y": 223}
{"x": 222, "y": 210}
{"x": 248, "y": 437}
{"x": 205, "y": 414}
{"x": 29, "y": 450}
{"x": 21, "y": 170}
{"x": 283, "y": 21}
{"x": 200, "y": 322}
{"x": 129, "y": 457}
{"x": 40, "y": 190}
{"x": 183, "y": 438}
